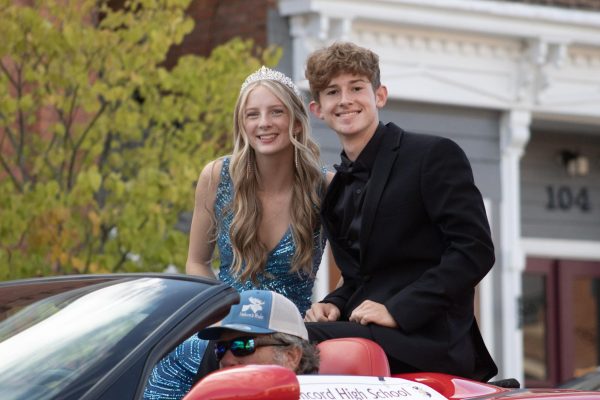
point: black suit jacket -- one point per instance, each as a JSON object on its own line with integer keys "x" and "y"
{"x": 424, "y": 245}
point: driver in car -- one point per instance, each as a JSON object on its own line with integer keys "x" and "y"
{"x": 264, "y": 328}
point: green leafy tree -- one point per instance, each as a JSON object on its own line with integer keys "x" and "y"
{"x": 100, "y": 145}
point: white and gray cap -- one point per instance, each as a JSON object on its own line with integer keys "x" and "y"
{"x": 260, "y": 312}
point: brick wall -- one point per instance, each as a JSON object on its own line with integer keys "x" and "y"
{"x": 218, "y": 21}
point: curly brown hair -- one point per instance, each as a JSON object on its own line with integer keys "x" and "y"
{"x": 341, "y": 57}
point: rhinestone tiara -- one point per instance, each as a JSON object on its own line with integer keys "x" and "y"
{"x": 270, "y": 74}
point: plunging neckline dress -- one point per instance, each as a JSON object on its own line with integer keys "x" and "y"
{"x": 276, "y": 277}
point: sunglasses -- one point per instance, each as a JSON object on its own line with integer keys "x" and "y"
{"x": 243, "y": 346}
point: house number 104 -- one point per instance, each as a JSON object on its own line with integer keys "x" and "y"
{"x": 566, "y": 198}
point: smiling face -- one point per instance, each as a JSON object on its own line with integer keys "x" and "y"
{"x": 350, "y": 106}
{"x": 266, "y": 121}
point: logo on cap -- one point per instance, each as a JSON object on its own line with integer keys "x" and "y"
{"x": 253, "y": 308}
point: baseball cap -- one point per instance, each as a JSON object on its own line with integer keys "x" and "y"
{"x": 260, "y": 311}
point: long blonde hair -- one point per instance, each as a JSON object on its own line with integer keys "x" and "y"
{"x": 249, "y": 253}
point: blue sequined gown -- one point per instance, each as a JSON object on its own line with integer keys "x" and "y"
{"x": 295, "y": 286}
{"x": 172, "y": 378}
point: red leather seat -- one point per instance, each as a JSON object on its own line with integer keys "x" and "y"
{"x": 353, "y": 356}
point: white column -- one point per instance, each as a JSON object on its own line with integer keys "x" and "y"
{"x": 321, "y": 288}
{"x": 486, "y": 317}
{"x": 298, "y": 32}
{"x": 514, "y": 135}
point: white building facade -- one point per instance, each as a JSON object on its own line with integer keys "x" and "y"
{"x": 518, "y": 87}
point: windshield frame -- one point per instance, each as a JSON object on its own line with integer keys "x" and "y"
{"x": 179, "y": 298}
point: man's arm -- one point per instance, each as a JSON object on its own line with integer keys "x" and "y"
{"x": 174, "y": 375}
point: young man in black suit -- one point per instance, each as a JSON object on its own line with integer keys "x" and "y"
{"x": 407, "y": 227}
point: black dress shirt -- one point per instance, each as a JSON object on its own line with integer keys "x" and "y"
{"x": 349, "y": 206}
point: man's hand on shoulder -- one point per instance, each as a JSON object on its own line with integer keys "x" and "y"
{"x": 322, "y": 312}
{"x": 370, "y": 312}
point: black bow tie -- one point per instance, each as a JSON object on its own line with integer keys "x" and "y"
{"x": 350, "y": 171}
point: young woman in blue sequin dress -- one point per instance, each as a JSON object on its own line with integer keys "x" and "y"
{"x": 261, "y": 204}
{"x": 260, "y": 207}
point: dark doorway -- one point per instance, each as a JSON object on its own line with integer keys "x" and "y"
{"x": 560, "y": 319}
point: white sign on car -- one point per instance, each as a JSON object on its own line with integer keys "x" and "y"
{"x": 338, "y": 387}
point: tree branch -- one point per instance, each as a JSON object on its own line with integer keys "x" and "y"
{"x": 9, "y": 132}
{"x": 121, "y": 261}
{"x": 7, "y": 73}
{"x": 21, "y": 124}
{"x": 13, "y": 178}
{"x": 66, "y": 121}
{"x": 45, "y": 155}
{"x": 72, "y": 107}
{"x": 78, "y": 145}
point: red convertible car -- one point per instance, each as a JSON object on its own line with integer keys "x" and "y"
{"x": 99, "y": 336}
{"x": 356, "y": 368}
